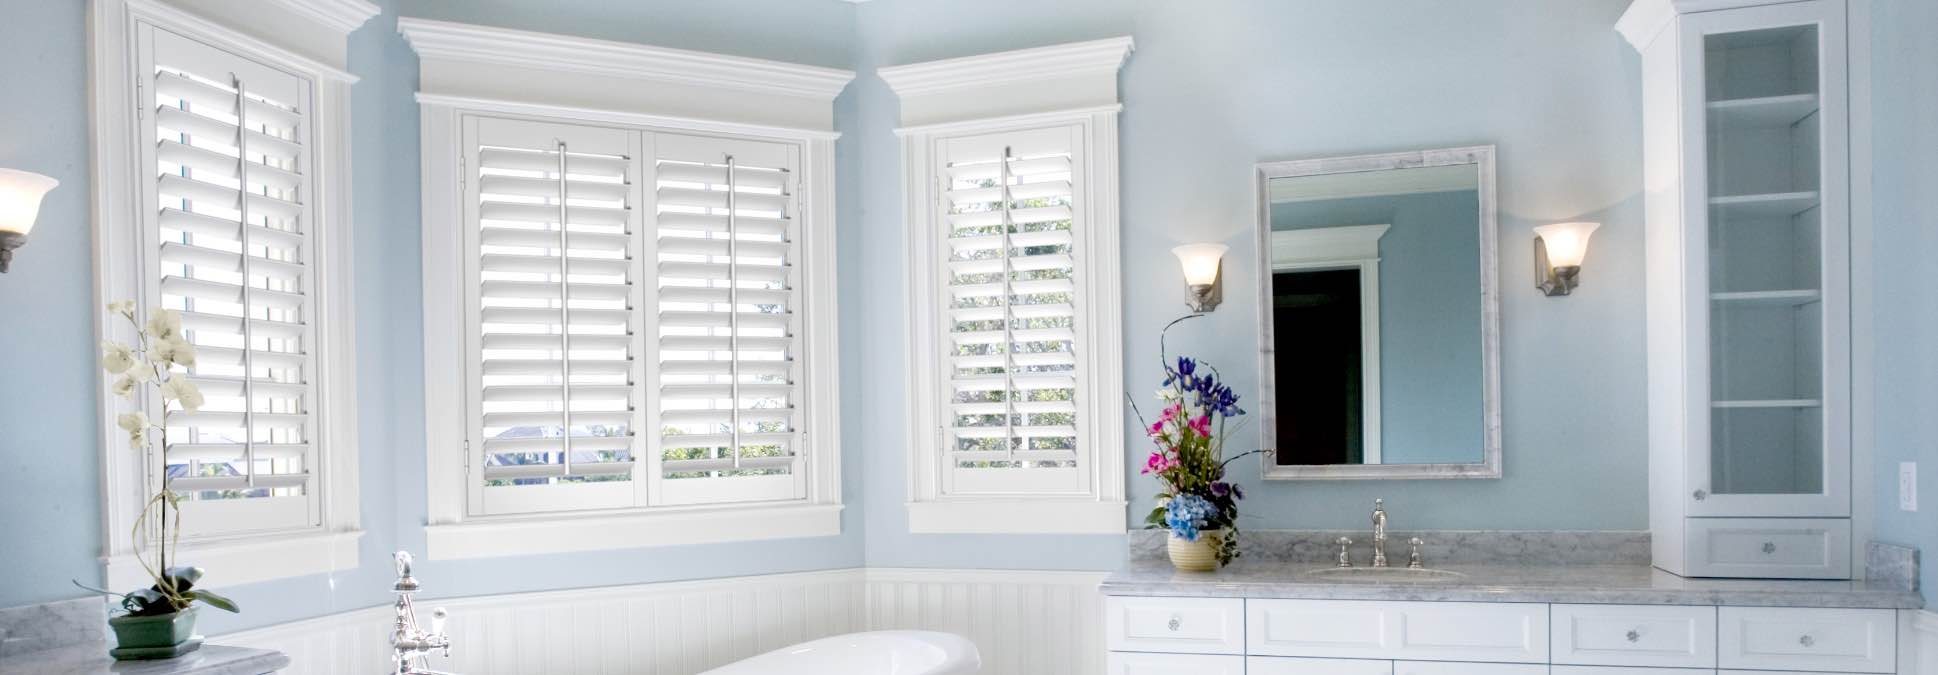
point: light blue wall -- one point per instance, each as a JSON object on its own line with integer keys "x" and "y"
{"x": 1904, "y": 125}
{"x": 1429, "y": 314}
{"x": 1215, "y": 87}
{"x": 47, "y": 386}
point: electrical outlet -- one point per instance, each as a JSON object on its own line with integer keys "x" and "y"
{"x": 1908, "y": 486}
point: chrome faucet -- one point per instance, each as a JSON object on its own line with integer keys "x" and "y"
{"x": 1379, "y": 533}
{"x": 409, "y": 644}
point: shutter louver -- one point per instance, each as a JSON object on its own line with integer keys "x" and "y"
{"x": 728, "y": 371}
{"x": 233, "y": 249}
{"x": 556, "y": 311}
{"x": 1011, "y": 312}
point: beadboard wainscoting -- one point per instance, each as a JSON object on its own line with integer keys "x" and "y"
{"x": 1024, "y": 623}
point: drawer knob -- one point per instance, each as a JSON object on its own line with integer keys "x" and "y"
{"x": 1701, "y": 495}
{"x": 1769, "y": 547}
{"x": 1806, "y": 641}
{"x": 1177, "y": 621}
{"x": 1634, "y": 636}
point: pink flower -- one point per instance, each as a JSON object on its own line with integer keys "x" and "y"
{"x": 1202, "y": 425}
{"x": 1157, "y": 428}
{"x": 1158, "y": 463}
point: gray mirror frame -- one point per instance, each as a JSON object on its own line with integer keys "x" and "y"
{"x": 1482, "y": 156}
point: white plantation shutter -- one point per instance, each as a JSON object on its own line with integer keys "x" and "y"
{"x": 552, "y": 327}
{"x": 728, "y": 370}
{"x": 1011, "y": 313}
{"x": 233, "y": 242}
{"x": 679, "y": 287}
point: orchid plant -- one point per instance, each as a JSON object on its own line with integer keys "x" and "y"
{"x": 161, "y": 348}
{"x": 1191, "y": 435}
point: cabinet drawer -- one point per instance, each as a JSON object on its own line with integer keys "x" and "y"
{"x": 1178, "y": 625}
{"x": 1785, "y": 638}
{"x": 1632, "y": 635}
{"x": 1428, "y": 631}
{"x": 1770, "y": 548}
{"x": 1132, "y": 663}
{"x": 1630, "y": 670}
{"x": 1456, "y": 668}
{"x": 1287, "y": 665}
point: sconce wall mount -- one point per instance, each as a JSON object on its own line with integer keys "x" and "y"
{"x": 1558, "y": 251}
{"x": 20, "y": 194}
{"x": 1201, "y": 264}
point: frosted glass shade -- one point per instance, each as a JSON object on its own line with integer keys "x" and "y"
{"x": 20, "y": 193}
{"x": 1200, "y": 262}
{"x": 1567, "y": 243}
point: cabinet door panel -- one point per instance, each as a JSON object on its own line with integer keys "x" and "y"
{"x": 1629, "y": 670}
{"x": 1286, "y": 665}
{"x": 1135, "y": 663}
{"x": 1787, "y": 548}
{"x": 1453, "y": 631}
{"x": 1458, "y": 668}
{"x": 1830, "y": 640}
{"x": 1628, "y": 635}
{"x": 1176, "y": 625}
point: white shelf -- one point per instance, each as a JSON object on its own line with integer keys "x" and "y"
{"x": 1768, "y": 298}
{"x": 1779, "y": 204}
{"x": 1771, "y": 403}
{"x": 1768, "y": 111}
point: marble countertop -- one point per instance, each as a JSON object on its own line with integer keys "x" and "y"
{"x": 1624, "y": 583}
{"x": 93, "y": 659}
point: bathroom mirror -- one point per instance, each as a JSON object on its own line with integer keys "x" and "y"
{"x": 1379, "y": 316}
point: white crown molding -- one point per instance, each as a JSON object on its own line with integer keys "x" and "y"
{"x": 471, "y": 103}
{"x": 343, "y": 15}
{"x": 484, "y": 45}
{"x": 234, "y": 40}
{"x": 1645, "y": 19}
{"x": 1096, "y": 57}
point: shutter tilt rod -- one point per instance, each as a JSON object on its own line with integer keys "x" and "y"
{"x": 1009, "y": 338}
{"x": 565, "y": 324}
{"x": 248, "y": 337}
{"x": 733, "y": 316}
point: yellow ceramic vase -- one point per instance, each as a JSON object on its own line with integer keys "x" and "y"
{"x": 1196, "y": 556}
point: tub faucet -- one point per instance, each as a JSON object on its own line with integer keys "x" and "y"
{"x": 1379, "y": 533}
{"x": 409, "y": 644}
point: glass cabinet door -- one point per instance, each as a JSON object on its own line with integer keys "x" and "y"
{"x": 1774, "y": 166}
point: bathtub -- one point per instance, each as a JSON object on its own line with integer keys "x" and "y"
{"x": 888, "y": 652}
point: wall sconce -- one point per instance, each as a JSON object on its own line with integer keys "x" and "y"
{"x": 1201, "y": 262}
{"x": 1558, "y": 250}
{"x": 20, "y": 194}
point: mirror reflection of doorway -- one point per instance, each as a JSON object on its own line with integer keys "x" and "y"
{"x": 1317, "y": 313}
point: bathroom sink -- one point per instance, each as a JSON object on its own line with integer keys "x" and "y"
{"x": 1383, "y": 574}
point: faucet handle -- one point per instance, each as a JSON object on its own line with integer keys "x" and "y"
{"x": 1345, "y": 551}
{"x": 1413, "y": 558}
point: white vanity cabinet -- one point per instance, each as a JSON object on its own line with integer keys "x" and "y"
{"x": 1268, "y": 636}
{"x": 1747, "y": 191}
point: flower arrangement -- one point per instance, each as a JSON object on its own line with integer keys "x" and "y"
{"x": 152, "y": 361}
{"x": 1191, "y": 434}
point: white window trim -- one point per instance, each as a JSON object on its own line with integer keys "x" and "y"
{"x": 1350, "y": 247}
{"x": 471, "y": 70}
{"x": 1074, "y": 84}
{"x": 117, "y": 212}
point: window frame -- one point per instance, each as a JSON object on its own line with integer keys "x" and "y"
{"x": 304, "y": 38}
{"x": 601, "y": 85}
{"x": 1073, "y": 86}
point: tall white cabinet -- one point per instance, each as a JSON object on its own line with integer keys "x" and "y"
{"x": 1747, "y": 191}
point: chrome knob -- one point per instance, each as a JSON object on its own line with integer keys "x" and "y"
{"x": 1701, "y": 495}
{"x": 1634, "y": 636}
{"x": 1806, "y": 641}
{"x": 1176, "y": 621}
{"x": 1769, "y": 547}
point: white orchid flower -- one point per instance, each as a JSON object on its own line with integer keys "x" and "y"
{"x": 184, "y": 390}
{"x": 177, "y": 351}
{"x": 117, "y": 358}
{"x": 125, "y": 384}
{"x": 165, "y": 325}
{"x": 136, "y": 424}
{"x": 125, "y": 308}
{"x": 1167, "y": 394}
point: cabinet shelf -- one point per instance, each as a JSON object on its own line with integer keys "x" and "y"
{"x": 1778, "y": 204}
{"x": 1769, "y": 403}
{"x": 1767, "y": 111}
{"x": 1768, "y": 298}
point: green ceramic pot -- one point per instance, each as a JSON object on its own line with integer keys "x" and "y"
{"x": 135, "y": 635}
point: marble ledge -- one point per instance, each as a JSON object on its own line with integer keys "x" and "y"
{"x": 1625, "y": 584}
{"x": 93, "y": 659}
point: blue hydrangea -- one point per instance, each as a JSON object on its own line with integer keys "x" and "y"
{"x": 1186, "y": 514}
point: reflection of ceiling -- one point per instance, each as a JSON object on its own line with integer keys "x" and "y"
{"x": 1374, "y": 183}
